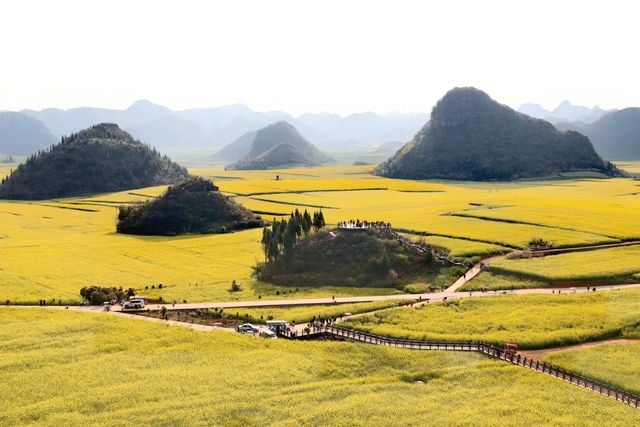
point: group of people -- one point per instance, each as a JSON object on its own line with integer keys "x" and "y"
{"x": 364, "y": 224}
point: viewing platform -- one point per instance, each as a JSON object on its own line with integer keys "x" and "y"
{"x": 358, "y": 225}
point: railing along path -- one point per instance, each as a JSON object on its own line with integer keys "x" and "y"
{"x": 490, "y": 350}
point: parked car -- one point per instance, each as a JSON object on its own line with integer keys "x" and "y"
{"x": 247, "y": 328}
{"x": 277, "y": 325}
{"x": 135, "y": 303}
{"x": 268, "y": 333}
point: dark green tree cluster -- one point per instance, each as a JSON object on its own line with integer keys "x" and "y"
{"x": 97, "y": 295}
{"x": 100, "y": 159}
{"x": 471, "y": 137}
{"x": 193, "y": 206}
{"x": 283, "y": 235}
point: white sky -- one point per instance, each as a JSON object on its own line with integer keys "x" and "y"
{"x": 340, "y": 56}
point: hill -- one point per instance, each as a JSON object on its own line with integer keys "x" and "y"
{"x": 193, "y": 206}
{"x": 102, "y": 158}
{"x": 472, "y": 137}
{"x": 21, "y": 135}
{"x": 616, "y": 136}
{"x": 280, "y": 145}
{"x": 344, "y": 258}
{"x": 237, "y": 149}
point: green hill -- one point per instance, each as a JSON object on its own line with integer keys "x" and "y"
{"x": 472, "y": 137}
{"x": 22, "y": 135}
{"x": 280, "y": 145}
{"x": 346, "y": 258}
{"x": 193, "y": 206}
{"x": 100, "y": 159}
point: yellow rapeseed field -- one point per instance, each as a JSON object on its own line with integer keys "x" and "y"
{"x": 532, "y": 321}
{"x": 68, "y": 368}
{"x": 50, "y": 249}
{"x": 612, "y": 264}
{"x": 613, "y": 364}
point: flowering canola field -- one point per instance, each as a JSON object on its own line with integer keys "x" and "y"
{"x": 50, "y": 249}
{"x": 71, "y": 368}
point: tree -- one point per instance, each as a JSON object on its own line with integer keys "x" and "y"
{"x": 267, "y": 237}
{"x": 97, "y": 295}
{"x": 306, "y": 223}
{"x": 318, "y": 220}
{"x": 235, "y": 287}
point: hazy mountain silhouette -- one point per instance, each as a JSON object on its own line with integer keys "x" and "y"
{"x": 212, "y": 128}
{"x": 616, "y": 135}
{"x": 472, "y": 137}
{"x": 565, "y": 112}
{"x": 237, "y": 149}
{"x": 280, "y": 145}
{"x": 22, "y": 135}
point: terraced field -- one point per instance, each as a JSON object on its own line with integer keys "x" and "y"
{"x": 85, "y": 369}
{"x": 532, "y": 321}
{"x": 50, "y": 249}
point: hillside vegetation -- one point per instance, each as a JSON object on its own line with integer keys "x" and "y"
{"x": 100, "y": 159}
{"x": 278, "y": 145}
{"x": 193, "y": 206}
{"x": 134, "y": 372}
{"x": 337, "y": 257}
{"x": 472, "y": 137}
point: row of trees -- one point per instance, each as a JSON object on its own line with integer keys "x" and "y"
{"x": 283, "y": 235}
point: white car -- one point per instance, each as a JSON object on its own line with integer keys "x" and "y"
{"x": 247, "y": 328}
{"x": 134, "y": 303}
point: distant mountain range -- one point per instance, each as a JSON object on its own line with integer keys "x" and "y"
{"x": 616, "y": 135}
{"x": 21, "y": 134}
{"x": 275, "y": 146}
{"x": 211, "y": 128}
{"x": 472, "y": 137}
{"x": 565, "y": 112}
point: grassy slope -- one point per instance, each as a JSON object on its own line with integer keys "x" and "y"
{"x": 613, "y": 364}
{"x": 533, "y": 321}
{"x": 77, "y": 368}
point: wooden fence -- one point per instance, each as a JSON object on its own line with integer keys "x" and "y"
{"x": 490, "y": 350}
